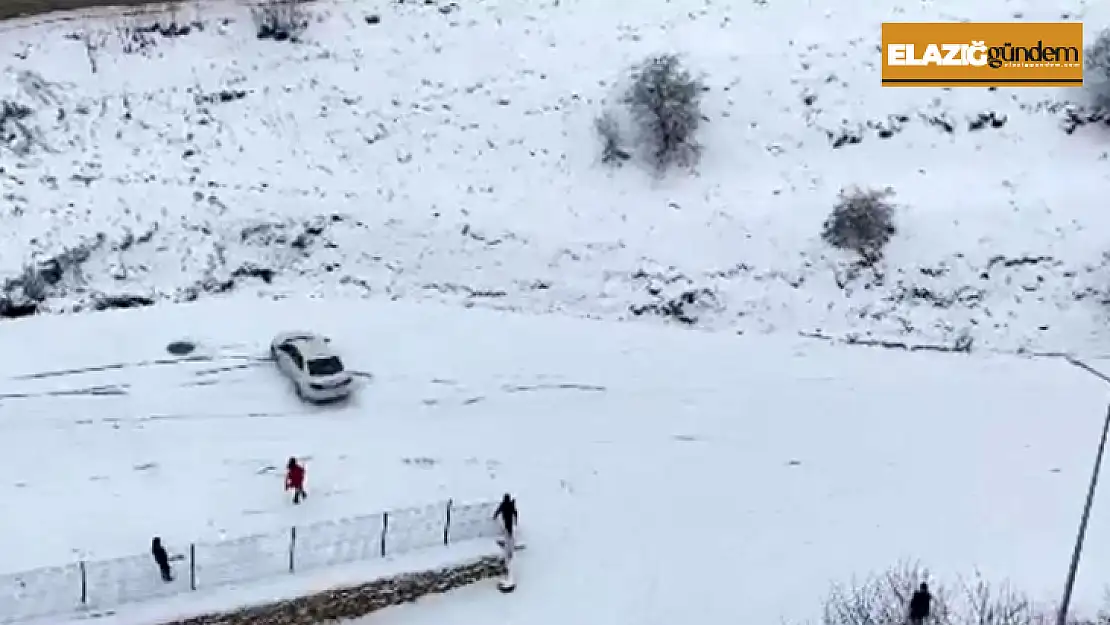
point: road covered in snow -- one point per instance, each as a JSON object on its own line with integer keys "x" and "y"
{"x": 650, "y": 465}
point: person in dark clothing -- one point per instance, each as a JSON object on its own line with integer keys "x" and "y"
{"x": 294, "y": 480}
{"x": 507, "y": 511}
{"x": 920, "y": 604}
{"x": 161, "y": 558}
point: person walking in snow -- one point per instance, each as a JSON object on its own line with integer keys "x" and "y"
{"x": 294, "y": 480}
{"x": 920, "y": 604}
{"x": 161, "y": 558}
{"x": 507, "y": 511}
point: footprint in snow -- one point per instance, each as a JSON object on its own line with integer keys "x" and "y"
{"x": 146, "y": 466}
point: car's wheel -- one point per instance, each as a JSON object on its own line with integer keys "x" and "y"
{"x": 298, "y": 390}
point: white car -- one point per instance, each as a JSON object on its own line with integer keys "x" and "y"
{"x": 309, "y": 362}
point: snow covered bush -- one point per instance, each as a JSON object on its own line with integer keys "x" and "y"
{"x": 862, "y": 221}
{"x": 665, "y": 102}
{"x": 1097, "y": 71}
{"x": 985, "y": 604}
{"x": 280, "y": 20}
{"x": 609, "y": 130}
{"x": 882, "y": 599}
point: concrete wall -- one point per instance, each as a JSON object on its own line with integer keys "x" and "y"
{"x": 16, "y": 8}
{"x": 357, "y": 601}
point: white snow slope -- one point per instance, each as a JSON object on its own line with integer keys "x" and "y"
{"x": 662, "y": 476}
{"x": 448, "y": 152}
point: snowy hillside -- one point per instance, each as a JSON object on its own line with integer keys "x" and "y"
{"x": 447, "y": 151}
{"x": 718, "y": 480}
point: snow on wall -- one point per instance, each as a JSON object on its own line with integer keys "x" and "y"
{"x": 357, "y": 601}
{"x": 100, "y": 586}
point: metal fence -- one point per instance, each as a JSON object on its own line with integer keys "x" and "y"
{"x": 95, "y": 586}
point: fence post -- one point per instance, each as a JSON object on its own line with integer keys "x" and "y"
{"x": 292, "y": 549}
{"x": 192, "y": 566}
{"x": 447, "y": 522}
{"x": 385, "y": 528}
{"x": 84, "y": 585}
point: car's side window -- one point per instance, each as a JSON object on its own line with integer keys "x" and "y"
{"x": 296, "y": 356}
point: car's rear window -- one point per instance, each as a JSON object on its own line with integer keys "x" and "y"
{"x": 325, "y": 366}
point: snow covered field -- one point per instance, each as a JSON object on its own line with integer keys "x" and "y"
{"x": 447, "y": 151}
{"x": 661, "y": 474}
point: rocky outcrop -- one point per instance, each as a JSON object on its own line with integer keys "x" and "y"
{"x": 356, "y": 601}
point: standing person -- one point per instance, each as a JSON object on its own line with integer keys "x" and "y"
{"x": 161, "y": 558}
{"x": 294, "y": 480}
{"x": 507, "y": 511}
{"x": 920, "y": 604}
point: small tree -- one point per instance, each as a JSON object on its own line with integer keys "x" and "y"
{"x": 1097, "y": 74}
{"x": 280, "y": 20}
{"x": 665, "y": 102}
{"x": 862, "y": 221}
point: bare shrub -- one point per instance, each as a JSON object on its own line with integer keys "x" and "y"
{"x": 1097, "y": 71}
{"x": 16, "y": 131}
{"x": 862, "y": 221}
{"x": 609, "y": 130}
{"x": 882, "y": 599}
{"x": 983, "y": 603}
{"x": 665, "y": 101}
{"x": 281, "y": 20}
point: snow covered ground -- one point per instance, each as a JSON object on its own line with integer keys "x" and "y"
{"x": 443, "y": 155}
{"x": 446, "y": 151}
{"x": 662, "y": 475}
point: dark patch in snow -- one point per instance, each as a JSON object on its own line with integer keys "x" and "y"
{"x": 222, "y": 96}
{"x": 1076, "y": 116}
{"x": 253, "y": 271}
{"x": 673, "y": 296}
{"x": 15, "y": 134}
{"x": 181, "y": 348}
{"x": 989, "y": 118}
{"x": 893, "y": 124}
{"x": 118, "y": 302}
{"x": 552, "y": 387}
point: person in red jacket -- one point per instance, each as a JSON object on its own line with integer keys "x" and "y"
{"x": 294, "y": 479}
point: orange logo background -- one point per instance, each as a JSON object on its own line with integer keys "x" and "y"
{"x": 1024, "y": 54}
